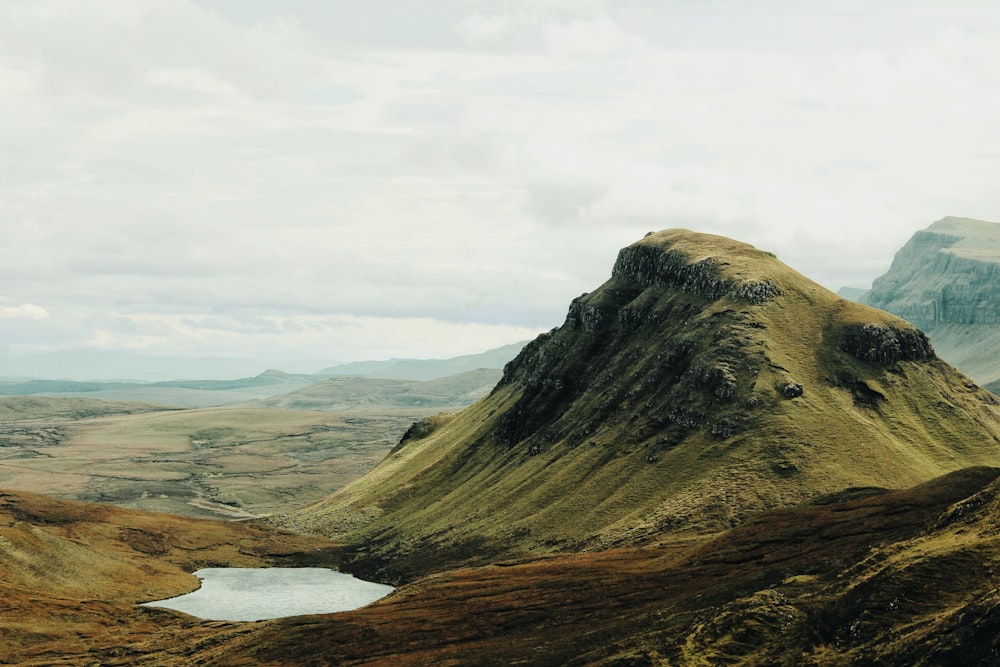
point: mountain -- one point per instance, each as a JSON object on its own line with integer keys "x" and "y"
{"x": 86, "y": 364}
{"x": 703, "y": 383}
{"x": 852, "y": 293}
{"x": 353, "y": 394}
{"x": 427, "y": 369}
{"x": 946, "y": 281}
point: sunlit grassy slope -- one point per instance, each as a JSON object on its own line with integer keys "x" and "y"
{"x": 704, "y": 382}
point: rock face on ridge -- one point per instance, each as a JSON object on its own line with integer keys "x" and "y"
{"x": 946, "y": 281}
{"x": 703, "y": 382}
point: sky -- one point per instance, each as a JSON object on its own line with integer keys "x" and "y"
{"x": 300, "y": 183}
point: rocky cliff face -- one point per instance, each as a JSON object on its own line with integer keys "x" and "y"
{"x": 946, "y": 281}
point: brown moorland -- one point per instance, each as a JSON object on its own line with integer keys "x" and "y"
{"x": 71, "y": 575}
{"x": 886, "y": 578}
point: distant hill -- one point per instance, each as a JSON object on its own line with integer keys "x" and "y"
{"x": 852, "y": 293}
{"x": 179, "y": 393}
{"x": 208, "y": 393}
{"x": 946, "y": 281}
{"x": 427, "y": 369}
{"x": 703, "y": 383}
{"x": 352, "y": 394}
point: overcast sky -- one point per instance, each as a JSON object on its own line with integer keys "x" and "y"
{"x": 301, "y": 182}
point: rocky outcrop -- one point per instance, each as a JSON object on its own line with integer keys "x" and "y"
{"x": 886, "y": 345}
{"x": 650, "y": 265}
{"x": 596, "y": 369}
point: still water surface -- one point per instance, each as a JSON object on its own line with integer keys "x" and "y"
{"x": 254, "y": 594}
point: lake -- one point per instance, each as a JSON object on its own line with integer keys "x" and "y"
{"x": 255, "y": 594}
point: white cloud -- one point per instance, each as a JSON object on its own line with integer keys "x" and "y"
{"x": 190, "y": 79}
{"x": 589, "y": 37}
{"x": 210, "y": 174}
{"x": 479, "y": 30}
{"x": 26, "y": 311}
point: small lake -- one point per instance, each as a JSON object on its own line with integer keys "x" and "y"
{"x": 256, "y": 594}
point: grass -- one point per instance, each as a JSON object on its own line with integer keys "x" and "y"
{"x": 222, "y": 462}
{"x": 864, "y": 581}
{"x": 71, "y": 574}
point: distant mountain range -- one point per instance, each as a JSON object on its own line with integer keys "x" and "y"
{"x": 350, "y": 394}
{"x": 427, "y": 369}
{"x": 179, "y": 393}
{"x": 400, "y": 377}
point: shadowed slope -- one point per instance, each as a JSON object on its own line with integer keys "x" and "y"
{"x": 704, "y": 382}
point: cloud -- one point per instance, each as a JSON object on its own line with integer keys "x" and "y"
{"x": 26, "y": 311}
{"x": 457, "y": 164}
{"x": 590, "y": 37}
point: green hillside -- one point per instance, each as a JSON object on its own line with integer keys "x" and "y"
{"x": 704, "y": 382}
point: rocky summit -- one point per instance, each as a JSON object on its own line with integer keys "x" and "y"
{"x": 946, "y": 281}
{"x": 703, "y": 383}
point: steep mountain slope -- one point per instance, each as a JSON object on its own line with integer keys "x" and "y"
{"x": 946, "y": 281}
{"x": 704, "y": 382}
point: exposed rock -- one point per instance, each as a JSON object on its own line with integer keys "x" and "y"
{"x": 791, "y": 390}
{"x": 649, "y": 265}
{"x": 886, "y": 345}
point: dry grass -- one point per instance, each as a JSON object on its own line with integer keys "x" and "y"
{"x": 222, "y": 462}
{"x": 857, "y": 582}
{"x": 72, "y": 573}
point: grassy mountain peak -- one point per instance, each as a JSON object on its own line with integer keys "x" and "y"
{"x": 704, "y": 382}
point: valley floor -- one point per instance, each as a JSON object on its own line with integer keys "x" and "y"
{"x": 232, "y": 462}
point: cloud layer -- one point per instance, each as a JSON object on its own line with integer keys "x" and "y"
{"x": 325, "y": 181}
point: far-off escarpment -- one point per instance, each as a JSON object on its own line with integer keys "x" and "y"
{"x": 946, "y": 281}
